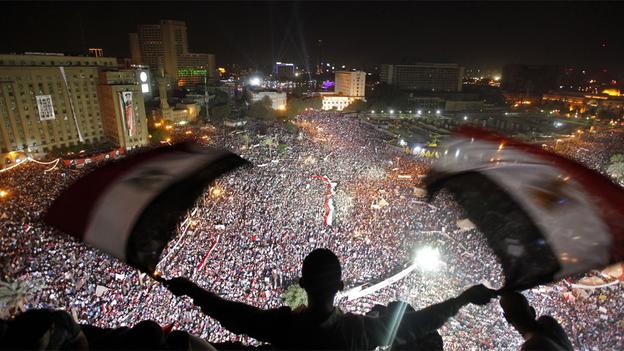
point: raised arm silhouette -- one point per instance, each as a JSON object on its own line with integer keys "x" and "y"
{"x": 321, "y": 325}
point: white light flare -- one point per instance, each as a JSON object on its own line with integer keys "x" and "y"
{"x": 427, "y": 259}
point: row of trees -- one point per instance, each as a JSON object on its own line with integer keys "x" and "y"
{"x": 616, "y": 168}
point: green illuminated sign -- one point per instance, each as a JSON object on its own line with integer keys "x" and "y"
{"x": 185, "y": 72}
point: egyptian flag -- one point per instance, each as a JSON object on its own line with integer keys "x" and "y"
{"x": 545, "y": 216}
{"x": 130, "y": 208}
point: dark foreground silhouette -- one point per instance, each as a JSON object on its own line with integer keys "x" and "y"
{"x": 319, "y": 326}
{"x": 322, "y": 326}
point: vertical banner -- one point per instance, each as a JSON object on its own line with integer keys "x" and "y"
{"x": 127, "y": 111}
{"x": 45, "y": 107}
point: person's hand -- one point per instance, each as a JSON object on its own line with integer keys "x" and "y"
{"x": 181, "y": 286}
{"x": 478, "y": 295}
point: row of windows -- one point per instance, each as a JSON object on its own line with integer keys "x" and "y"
{"x": 55, "y": 63}
{"x": 49, "y": 147}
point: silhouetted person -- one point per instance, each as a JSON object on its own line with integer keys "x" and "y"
{"x": 43, "y": 329}
{"x": 545, "y": 333}
{"x": 321, "y": 325}
{"x": 183, "y": 341}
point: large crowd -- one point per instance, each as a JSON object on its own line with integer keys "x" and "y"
{"x": 254, "y": 226}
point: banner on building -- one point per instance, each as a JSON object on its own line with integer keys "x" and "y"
{"x": 127, "y": 111}
{"x": 45, "y": 107}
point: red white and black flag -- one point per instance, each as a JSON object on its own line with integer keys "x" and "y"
{"x": 545, "y": 216}
{"x": 130, "y": 208}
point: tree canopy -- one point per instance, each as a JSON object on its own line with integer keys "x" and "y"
{"x": 616, "y": 168}
{"x": 260, "y": 109}
{"x": 356, "y": 106}
{"x": 295, "y": 296}
{"x": 297, "y": 105}
{"x": 221, "y": 112}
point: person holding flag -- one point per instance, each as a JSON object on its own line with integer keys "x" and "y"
{"x": 322, "y": 326}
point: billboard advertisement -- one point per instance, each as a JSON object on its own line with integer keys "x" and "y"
{"x": 127, "y": 111}
{"x": 45, "y": 107}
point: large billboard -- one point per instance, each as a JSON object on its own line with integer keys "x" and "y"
{"x": 127, "y": 111}
{"x": 45, "y": 107}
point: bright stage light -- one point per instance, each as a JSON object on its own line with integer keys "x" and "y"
{"x": 255, "y": 81}
{"x": 427, "y": 259}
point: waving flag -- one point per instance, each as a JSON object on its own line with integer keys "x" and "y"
{"x": 130, "y": 208}
{"x": 328, "y": 216}
{"x": 546, "y": 217}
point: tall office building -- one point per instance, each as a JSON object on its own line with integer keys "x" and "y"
{"x": 349, "y": 88}
{"x": 164, "y": 47}
{"x": 442, "y": 77}
{"x": 123, "y": 108}
{"x": 350, "y": 83}
{"x": 50, "y": 101}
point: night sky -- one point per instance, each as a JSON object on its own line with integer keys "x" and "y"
{"x": 487, "y": 35}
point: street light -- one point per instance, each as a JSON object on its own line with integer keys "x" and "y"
{"x": 3, "y": 193}
{"x": 391, "y": 112}
{"x": 438, "y": 112}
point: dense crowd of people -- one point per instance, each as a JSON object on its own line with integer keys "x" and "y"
{"x": 254, "y": 226}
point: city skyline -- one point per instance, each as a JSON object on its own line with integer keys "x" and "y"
{"x": 485, "y": 35}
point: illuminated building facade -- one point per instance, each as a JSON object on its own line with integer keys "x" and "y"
{"x": 49, "y": 101}
{"x": 349, "y": 87}
{"x": 582, "y": 102}
{"x": 123, "y": 108}
{"x": 164, "y": 47}
{"x": 337, "y": 102}
{"x": 350, "y": 83}
{"x": 434, "y": 77}
{"x": 194, "y": 69}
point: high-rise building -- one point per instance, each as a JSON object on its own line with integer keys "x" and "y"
{"x": 123, "y": 108}
{"x": 135, "y": 49}
{"x": 51, "y": 101}
{"x": 164, "y": 47}
{"x": 194, "y": 69}
{"x": 530, "y": 80}
{"x": 349, "y": 88}
{"x": 442, "y": 77}
{"x": 350, "y": 83}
